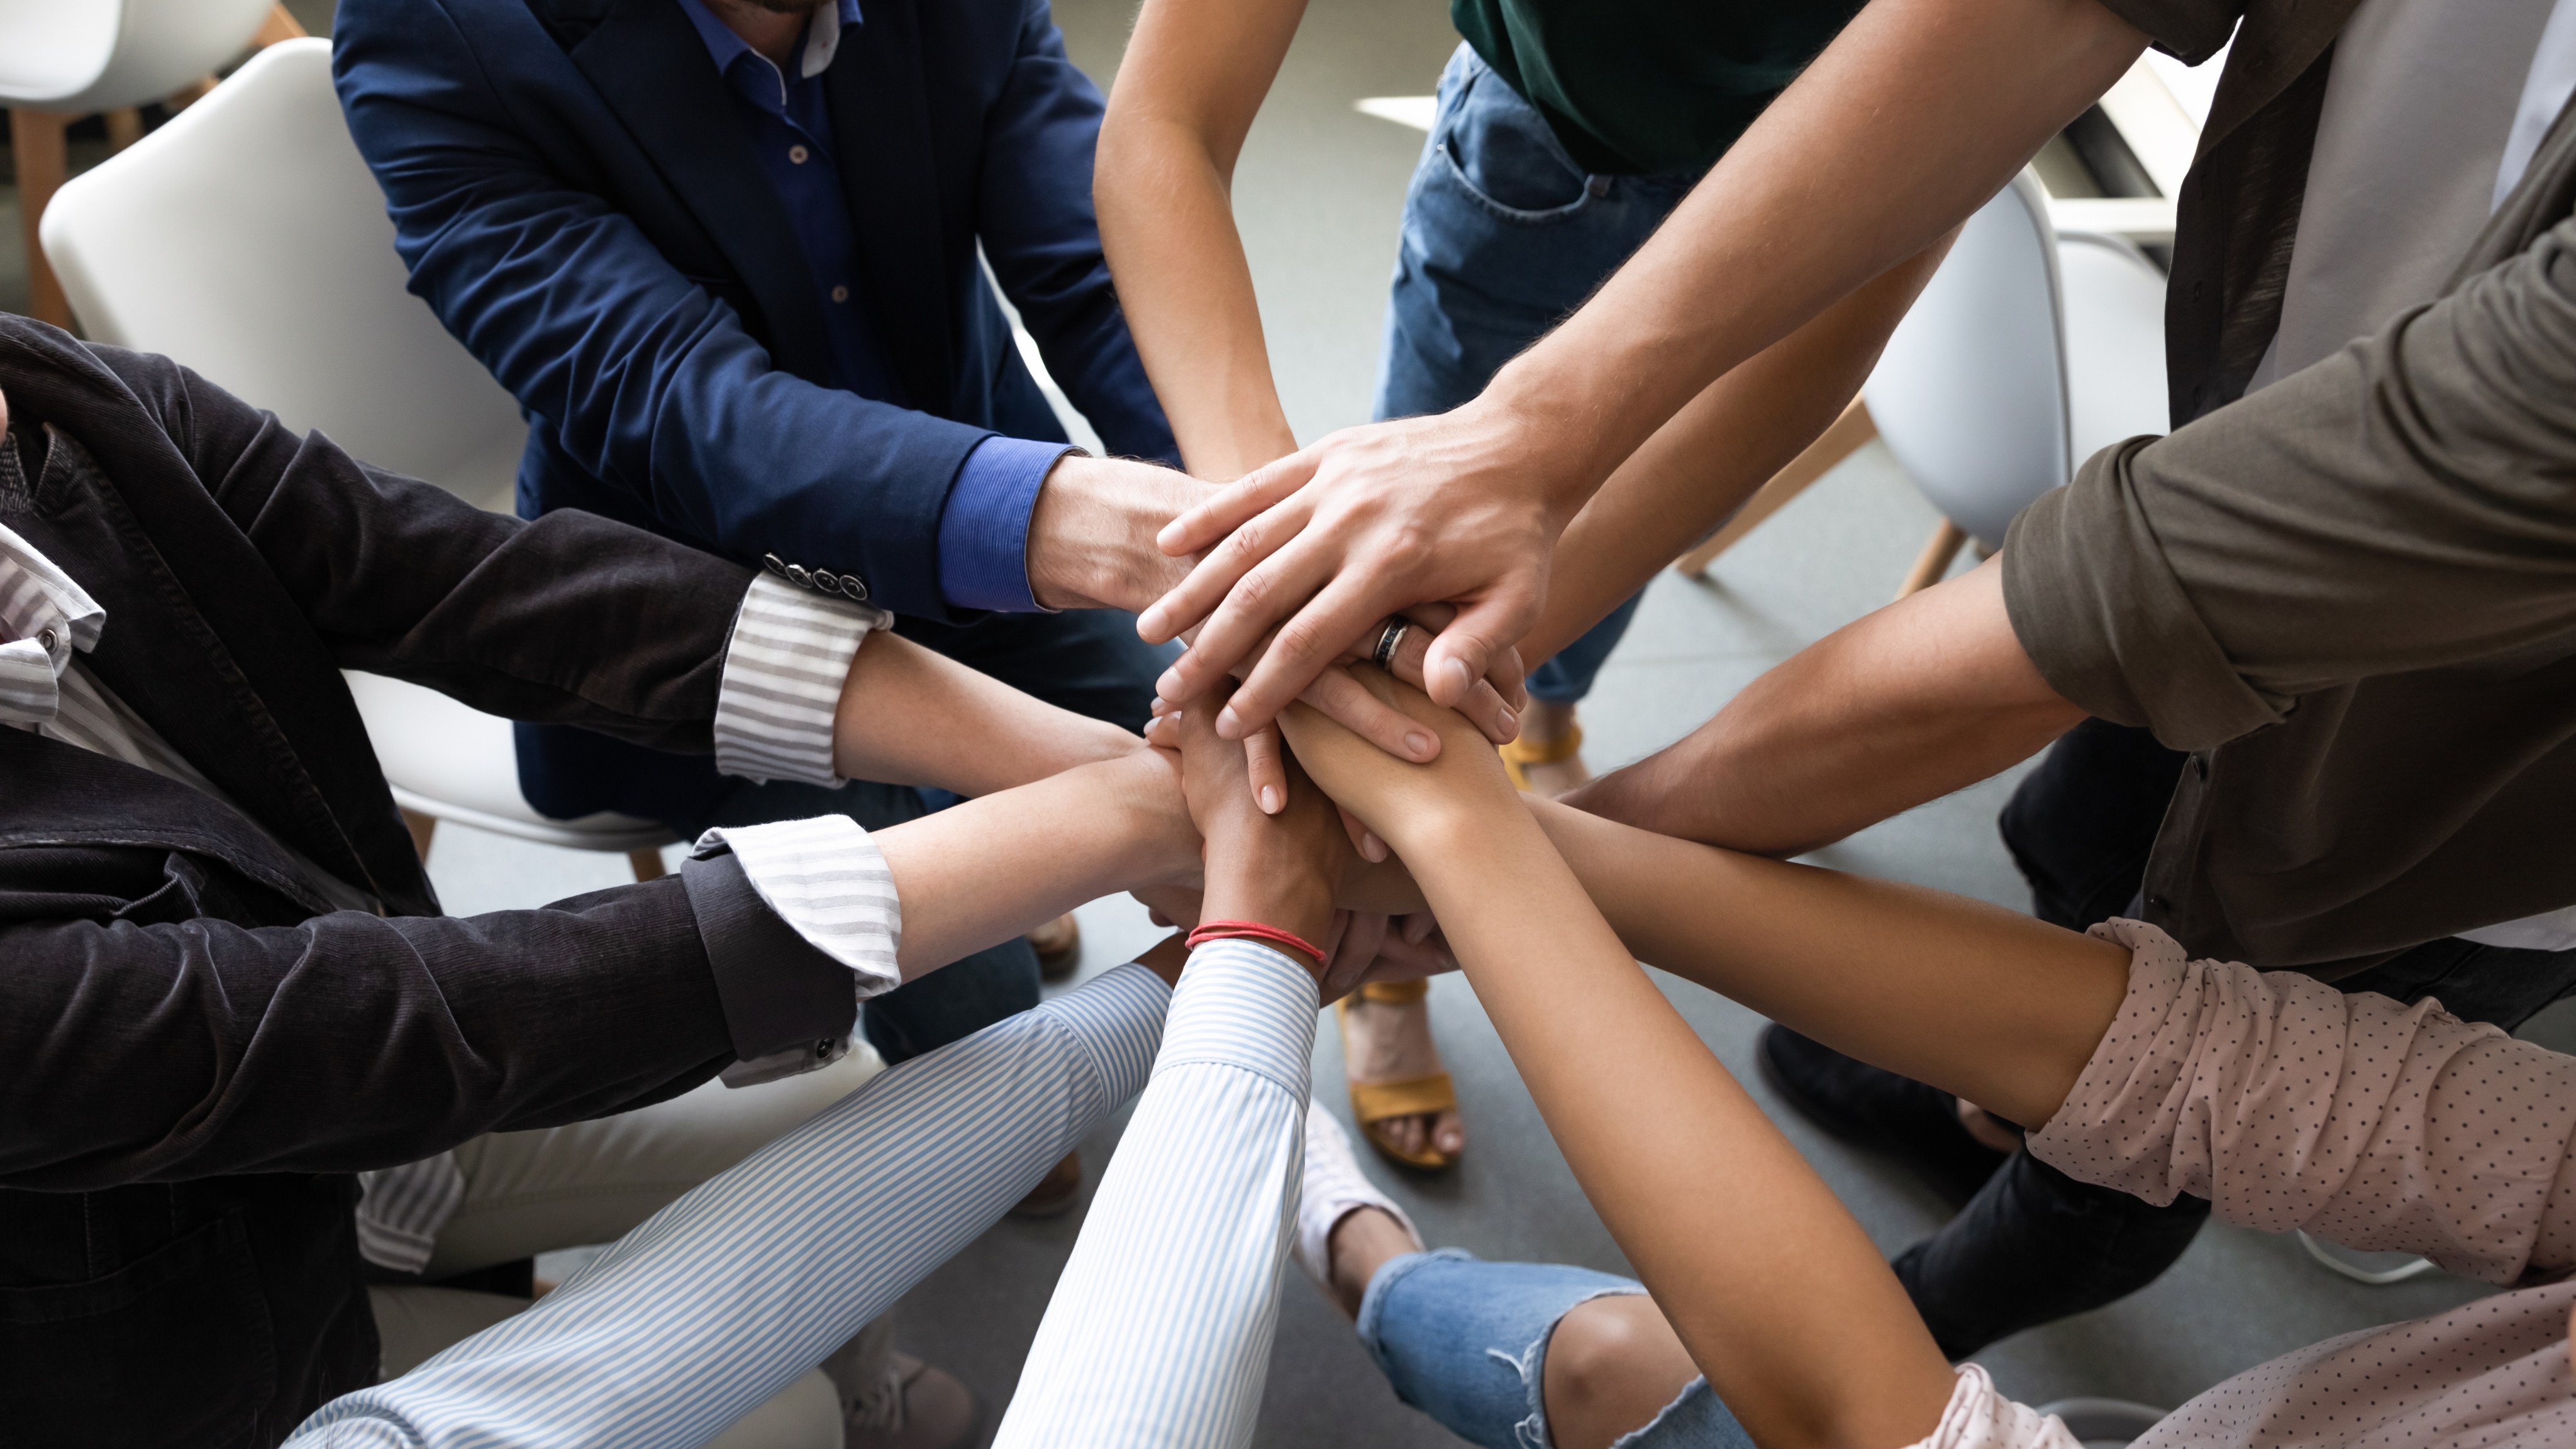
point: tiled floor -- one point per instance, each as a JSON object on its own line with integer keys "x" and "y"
{"x": 1318, "y": 194}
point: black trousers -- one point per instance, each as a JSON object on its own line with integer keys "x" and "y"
{"x": 2036, "y": 1245}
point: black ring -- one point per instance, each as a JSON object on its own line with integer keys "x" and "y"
{"x": 1389, "y": 640}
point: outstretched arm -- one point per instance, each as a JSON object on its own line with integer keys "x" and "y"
{"x": 1907, "y": 123}
{"x": 1193, "y": 78}
{"x": 1926, "y": 696}
{"x": 1778, "y": 1294}
{"x": 1159, "y": 1331}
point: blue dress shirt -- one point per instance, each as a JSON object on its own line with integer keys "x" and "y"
{"x": 984, "y": 528}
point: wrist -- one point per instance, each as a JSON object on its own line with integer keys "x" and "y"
{"x": 1278, "y": 892}
{"x": 1537, "y": 421}
{"x": 1091, "y": 535}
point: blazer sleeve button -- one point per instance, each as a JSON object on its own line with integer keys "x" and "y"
{"x": 853, "y": 586}
{"x": 796, "y": 575}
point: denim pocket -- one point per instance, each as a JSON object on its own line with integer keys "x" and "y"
{"x": 1500, "y": 153}
{"x": 172, "y": 1349}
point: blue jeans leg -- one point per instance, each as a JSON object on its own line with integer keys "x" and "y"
{"x": 1465, "y": 1341}
{"x": 1503, "y": 236}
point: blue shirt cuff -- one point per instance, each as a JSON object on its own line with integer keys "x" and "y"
{"x": 984, "y": 530}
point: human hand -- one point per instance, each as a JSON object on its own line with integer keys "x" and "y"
{"x": 1396, "y": 799}
{"x": 1323, "y": 544}
{"x": 1281, "y": 870}
{"x": 1405, "y": 640}
{"x": 1092, "y": 534}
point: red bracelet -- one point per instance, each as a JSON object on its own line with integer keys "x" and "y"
{"x": 1252, "y": 931}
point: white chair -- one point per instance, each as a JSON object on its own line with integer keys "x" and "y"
{"x": 64, "y": 59}
{"x": 247, "y": 239}
{"x": 2029, "y": 350}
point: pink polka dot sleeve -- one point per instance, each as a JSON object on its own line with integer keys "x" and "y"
{"x": 2289, "y": 1104}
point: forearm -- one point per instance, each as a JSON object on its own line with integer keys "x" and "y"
{"x": 909, "y": 716}
{"x": 1187, "y": 90}
{"x": 1168, "y": 226}
{"x": 1921, "y": 698}
{"x": 1981, "y": 1001}
{"x": 1716, "y": 453}
{"x": 1736, "y": 1237}
{"x": 1908, "y": 122}
{"x": 992, "y": 868}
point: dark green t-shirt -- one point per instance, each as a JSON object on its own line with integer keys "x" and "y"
{"x": 1634, "y": 87}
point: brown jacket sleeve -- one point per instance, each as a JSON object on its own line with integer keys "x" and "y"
{"x": 2407, "y": 504}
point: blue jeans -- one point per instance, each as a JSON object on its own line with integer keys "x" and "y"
{"x": 1465, "y": 1341}
{"x": 1503, "y": 236}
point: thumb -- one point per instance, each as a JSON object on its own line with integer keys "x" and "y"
{"x": 1462, "y": 652}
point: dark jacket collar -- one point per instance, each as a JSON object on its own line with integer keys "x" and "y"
{"x": 202, "y": 642}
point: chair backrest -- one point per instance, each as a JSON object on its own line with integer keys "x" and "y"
{"x": 2113, "y": 300}
{"x": 1970, "y": 395}
{"x": 79, "y": 56}
{"x": 247, "y": 239}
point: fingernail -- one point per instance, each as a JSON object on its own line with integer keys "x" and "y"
{"x": 1459, "y": 675}
{"x": 1270, "y": 800}
{"x": 1169, "y": 686}
{"x": 1508, "y": 722}
{"x": 1373, "y": 848}
{"x": 1418, "y": 745}
{"x": 1227, "y": 725}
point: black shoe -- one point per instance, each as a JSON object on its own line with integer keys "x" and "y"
{"x": 1875, "y": 1108}
{"x": 2034, "y": 1246}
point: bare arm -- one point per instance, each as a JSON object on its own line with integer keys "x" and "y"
{"x": 1927, "y": 695}
{"x": 1909, "y": 121}
{"x": 908, "y": 716}
{"x": 1780, "y": 1297}
{"x": 1193, "y": 78}
{"x": 992, "y": 868}
{"x": 1712, "y": 456}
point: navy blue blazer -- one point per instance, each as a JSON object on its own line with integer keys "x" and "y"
{"x": 576, "y": 199}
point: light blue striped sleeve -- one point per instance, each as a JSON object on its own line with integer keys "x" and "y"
{"x": 1158, "y": 1336}
{"x": 717, "y": 1301}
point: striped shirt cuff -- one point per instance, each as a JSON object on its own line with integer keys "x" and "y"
{"x": 1243, "y": 1005}
{"x": 784, "y": 668}
{"x": 825, "y": 878}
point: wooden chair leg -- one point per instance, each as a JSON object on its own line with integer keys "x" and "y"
{"x": 1931, "y": 564}
{"x": 280, "y": 25}
{"x": 188, "y": 95}
{"x": 1840, "y": 439}
{"x": 422, "y": 827}
{"x": 36, "y": 146}
{"x": 647, "y": 863}
{"x": 124, "y": 127}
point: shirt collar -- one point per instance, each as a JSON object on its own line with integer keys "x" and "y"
{"x": 822, "y": 39}
{"x": 44, "y": 617}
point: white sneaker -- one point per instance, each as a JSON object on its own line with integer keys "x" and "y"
{"x": 1334, "y": 1189}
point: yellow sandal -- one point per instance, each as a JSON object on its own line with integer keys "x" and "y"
{"x": 1375, "y": 1102}
{"x": 1519, "y": 755}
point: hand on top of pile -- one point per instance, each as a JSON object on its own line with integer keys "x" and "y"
{"x": 1309, "y": 554}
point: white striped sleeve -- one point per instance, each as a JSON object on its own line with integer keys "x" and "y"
{"x": 1159, "y": 1333}
{"x": 826, "y": 879}
{"x": 717, "y": 1301}
{"x": 783, "y": 672}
